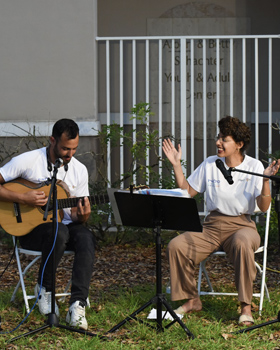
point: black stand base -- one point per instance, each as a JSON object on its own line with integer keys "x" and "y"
{"x": 259, "y": 325}
{"x": 52, "y": 321}
{"x": 159, "y": 301}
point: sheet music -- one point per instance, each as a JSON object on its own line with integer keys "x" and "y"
{"x": 176, "y": 192}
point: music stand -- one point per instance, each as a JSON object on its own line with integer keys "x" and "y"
{"x": 157, "y": 212}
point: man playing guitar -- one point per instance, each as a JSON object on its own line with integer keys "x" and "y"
{"x": 37, "y": 167}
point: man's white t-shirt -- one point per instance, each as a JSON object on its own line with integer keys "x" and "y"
{"x": 32, "y": 166}
{"x": 236, "y": 199}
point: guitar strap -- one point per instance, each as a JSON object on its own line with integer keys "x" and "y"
{"x": 48, "y": 159}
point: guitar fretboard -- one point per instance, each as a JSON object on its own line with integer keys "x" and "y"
{"x": 72, "y": 202}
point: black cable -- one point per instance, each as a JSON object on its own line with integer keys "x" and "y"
{"x": 8, "y": 262}
{"x": 24, "y": 319}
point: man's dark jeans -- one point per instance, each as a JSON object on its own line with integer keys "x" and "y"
{"x": 74, "y": 237}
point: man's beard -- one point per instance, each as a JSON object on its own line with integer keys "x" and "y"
{"x": 58, "y": 155}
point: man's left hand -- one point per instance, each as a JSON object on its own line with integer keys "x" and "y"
{"x": 82, "y": 212}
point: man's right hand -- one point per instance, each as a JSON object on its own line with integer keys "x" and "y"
{"x": 34, "y": 198}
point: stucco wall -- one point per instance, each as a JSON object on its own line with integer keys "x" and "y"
{"x": 47, "y": 67}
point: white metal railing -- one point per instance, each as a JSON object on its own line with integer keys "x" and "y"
{"x": 187, "y": 102}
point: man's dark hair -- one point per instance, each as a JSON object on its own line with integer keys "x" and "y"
{"x": 67, "y": 126}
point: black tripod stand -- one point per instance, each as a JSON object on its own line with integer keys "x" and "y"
{"x": 157, "y": 212}
{"x": 52, "y": 319}
{"x": 276, "y": 180}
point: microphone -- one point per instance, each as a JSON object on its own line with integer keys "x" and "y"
{"x": 224, "y": 171}
{"x": 58, "y": 163}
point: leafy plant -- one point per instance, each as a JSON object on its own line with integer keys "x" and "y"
{"x": 138, "y": 143}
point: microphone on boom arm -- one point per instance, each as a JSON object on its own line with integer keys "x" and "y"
{"x": 224, "y": 171}
{"x": 58, "y": 163}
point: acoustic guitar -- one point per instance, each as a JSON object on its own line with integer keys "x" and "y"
{"x": 19, "y": 219}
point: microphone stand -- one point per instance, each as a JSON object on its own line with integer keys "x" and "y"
{"x": 276, "y": 180}
{"x": 276, "y": 183}
{"x": 52, "y": 320}
{"x": 272, "y": 177}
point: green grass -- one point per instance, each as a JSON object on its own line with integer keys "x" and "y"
{"x": 212, "y": 327}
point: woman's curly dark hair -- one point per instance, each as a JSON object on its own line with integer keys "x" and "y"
{"x": 240, "y": 132}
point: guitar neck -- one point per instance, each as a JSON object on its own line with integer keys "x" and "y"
{"x": 72, "y": 202}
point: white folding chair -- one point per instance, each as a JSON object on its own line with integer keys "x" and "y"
{"x": 262, "y": 271}
{"x": 37, "y": 255}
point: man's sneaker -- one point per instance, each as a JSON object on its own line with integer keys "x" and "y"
{"x": 76, "y": 315}
{"x": 45, "y": 301}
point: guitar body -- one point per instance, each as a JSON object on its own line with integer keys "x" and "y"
{"x": 19, "y": 219}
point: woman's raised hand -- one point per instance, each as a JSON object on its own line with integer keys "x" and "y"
{"x": 171, "y": 153}
{"x": 273, "y": 168}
